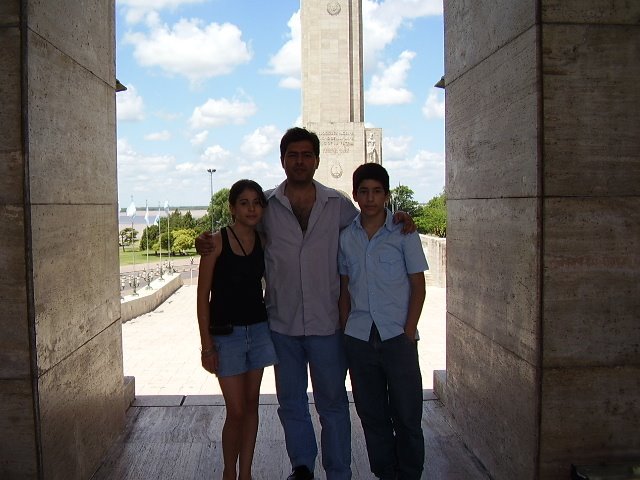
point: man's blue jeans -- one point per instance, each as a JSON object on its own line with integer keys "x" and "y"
{"x": 326, "y": 359}
{"x": 387, "y": 391}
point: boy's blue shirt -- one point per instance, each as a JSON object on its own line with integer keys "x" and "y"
{"x": 378, "y": 272}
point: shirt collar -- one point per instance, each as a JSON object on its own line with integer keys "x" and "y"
{"x": 388, "y": 222}
{"x": 322, "y": 192}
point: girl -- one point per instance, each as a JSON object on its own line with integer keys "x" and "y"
{"x": 236, "y": 340}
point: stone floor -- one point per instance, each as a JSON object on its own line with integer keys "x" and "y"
{"x": 173, "y": 427}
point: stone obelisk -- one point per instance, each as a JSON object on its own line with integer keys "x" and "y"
{"x": 332, "y": 89}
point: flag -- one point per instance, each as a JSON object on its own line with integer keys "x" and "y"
{"x": 146, "y": 216}
{"x": 131, "y": 210}
{"x": 157, "y": 220}
{"x": 166, "y": 206}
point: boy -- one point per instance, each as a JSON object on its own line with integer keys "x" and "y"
{"x": 382, "y": 290}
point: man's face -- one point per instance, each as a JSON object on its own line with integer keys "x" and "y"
{"x": 300, "y": 162}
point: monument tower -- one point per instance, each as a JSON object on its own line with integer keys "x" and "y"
{"x": 332, "y": 89}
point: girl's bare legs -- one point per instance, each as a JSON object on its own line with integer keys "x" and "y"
{"x": 253, "y": 379}
{"x": 241, "y": 395}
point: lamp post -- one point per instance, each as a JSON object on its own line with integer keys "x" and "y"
{"x": 211, "y": 172}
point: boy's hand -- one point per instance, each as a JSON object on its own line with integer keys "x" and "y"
{"x": 204, "y": 243}
{"x": 408, "y": 226}
{"x": 411, "y": 334}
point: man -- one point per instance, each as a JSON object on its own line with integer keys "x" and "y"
{"x": 302, "y": 223}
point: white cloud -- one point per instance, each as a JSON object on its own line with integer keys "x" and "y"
{"x": 200, "y": 137}
{"x": 434, "y": 105}
{"x": 142, "y": 174}
{"x": 137, "y": 10}
{"x": 388, "y": 86}
{"x": 191, "y": 49}
{"x": 287, "y": 62}
{"x": 162, "y": 136}
{"x": 214, "y": 113}
{"x": 215, "y": 155}
{"x": 261, "y": 142}
{"x": 395, "y": 148}
{"x": 382, "y": 21}
{"x": 129, "y": 105}
{"x": 423, "y": 173}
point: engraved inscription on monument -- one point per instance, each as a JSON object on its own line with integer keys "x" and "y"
{"x": 336, "y": 142}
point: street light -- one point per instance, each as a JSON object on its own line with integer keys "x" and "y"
{"x": 211, "y": 172}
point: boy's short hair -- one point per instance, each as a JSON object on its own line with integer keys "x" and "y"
{"x": 297, "y": 134}
{"x": 370, "y": 171}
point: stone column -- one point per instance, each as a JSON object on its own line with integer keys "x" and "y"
{"x": 543, "y": 239}
{"x": 61, "y": 380}
{"x": 332, "y": 88}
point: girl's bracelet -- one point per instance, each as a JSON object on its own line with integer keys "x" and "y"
{"x": 207, "y": 352}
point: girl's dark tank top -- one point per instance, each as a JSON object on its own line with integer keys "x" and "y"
{"x": 236, "y": 292}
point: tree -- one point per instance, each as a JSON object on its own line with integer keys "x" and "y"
{"x": 127, "y": 236}
{"x": 182, "y": 240}
{"x": 432, "y": 219}
{"x": 219, "y": 208}
{"x": 188, "y": 221}
{"x": 149, "y": 236}
{"x": 402, "y": 199}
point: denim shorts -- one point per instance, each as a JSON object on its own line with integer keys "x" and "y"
{"x": 247, "y": 348}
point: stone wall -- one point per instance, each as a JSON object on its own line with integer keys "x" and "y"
{"x": 543, "y": 273}
{"x": 435, "y": 249}
{"x": 148, "y": 300}
{"x": 61, "y": 376}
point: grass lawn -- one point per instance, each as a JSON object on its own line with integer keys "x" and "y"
{"x": 126, "y": 257}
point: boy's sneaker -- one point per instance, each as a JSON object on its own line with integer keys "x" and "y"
{"x": 301, "y": 472}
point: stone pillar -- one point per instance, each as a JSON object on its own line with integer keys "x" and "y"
{"x": 543, "y": 239}
{"x": 61, "y": 380}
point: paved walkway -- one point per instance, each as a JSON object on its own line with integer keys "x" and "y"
{"x": 161, "y": 349}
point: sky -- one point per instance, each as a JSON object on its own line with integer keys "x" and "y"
{"x": 214, "y": 84}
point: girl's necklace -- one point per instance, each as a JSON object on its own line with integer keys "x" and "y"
{"x": 237, "y": 240}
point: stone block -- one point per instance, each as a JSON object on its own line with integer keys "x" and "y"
{"x": 14, "y": 321}
{"x": 85, "y": 32}
{"x": 492, "y": 398}
{"x": 492, "y": 270}
{"x": 475, "y": 29}
{"x": 591, "y": 281}
{"x": 72, "y": 130}
{"x": 11, "y": 163}
{"x": 81, "y": 406}
{"x": 591, "y": 135}
{"x": 589, "y": 415}
{"x": 615, "y": 12}
{"x": 9, "y": 13}
{"x": 76, "y": 279}
{"x": 492, "y": 125}
{"x": 18, "y": 455}
{"x": 129, "y": 391}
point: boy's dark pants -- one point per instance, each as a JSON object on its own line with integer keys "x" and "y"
{"x": 387, "y": 390}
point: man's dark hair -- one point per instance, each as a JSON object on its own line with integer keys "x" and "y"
{"x": 297, "y": 134}
{"x": 242, "y": 185}
{"x": 370, "y": 171}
